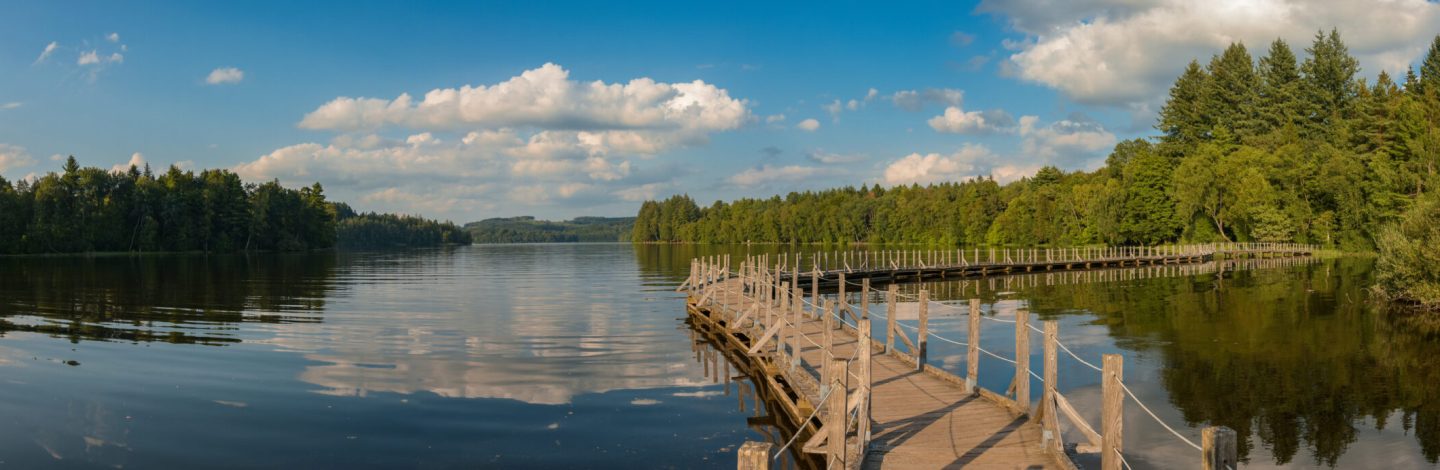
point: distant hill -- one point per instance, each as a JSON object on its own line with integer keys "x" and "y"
{"x": 525, "y": 229}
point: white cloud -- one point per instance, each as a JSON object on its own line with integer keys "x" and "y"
{"x": 911, "y": 100}
{"x": 11, "y": 105}
{"x": 936, "y": 168}
{"x": 1129, "y": 51}
{"x": 88, "y": 58}
{"x": 225, "y": 75}
{"x": 136, "y": 159}
{"x": 117, "y": 57}
{"x": 766, "y": 174}
{"x": 544, "y": 97}
{"x": 808, "y": 125}
{"x": 12, "y": 157}
{"x": 821, "y": 156}
{"x": 774, "y": 118}
{"x": 49, "y": 49}
{"x": 536, "y": 140}
{"x": 959, "y": 121}
{"x": 1068, "y": 142}
{"x": 833, "y": 109}
{"x": 113, "y": 37}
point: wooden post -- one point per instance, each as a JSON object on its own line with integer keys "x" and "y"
{"x": 1112, "y": 412}
{"x": 890, "y": 317}
{"x": 844, "y": 302}
{"x": 835, "y": 412}
{"x": 815, "y": 292}
{"x": 797, "y": 315}
{"x": 1218, "y": 448}
{"x": 924, "y": 330}
{"x": 754, "y": 456}
{"x": 828, "y": 332}
{"x": 1022, "y": 360}
{"x": 972, "y": 354}
{"x": 865, "y": 298}
{"x": 863, "y": 414}
{"x": 1049, "y": 423}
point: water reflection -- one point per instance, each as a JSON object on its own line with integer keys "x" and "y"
{"x": 173, "y": 299}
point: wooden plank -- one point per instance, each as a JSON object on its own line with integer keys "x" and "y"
{"x": 1218, "y": 448}
{"x": 924, "y": 329}
{"x": 1022, "y": 360}
{"x": 972, "y": 348}
{"x": 754, "y": 456}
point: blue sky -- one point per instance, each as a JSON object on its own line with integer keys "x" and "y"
{"x": 560, "y": 109}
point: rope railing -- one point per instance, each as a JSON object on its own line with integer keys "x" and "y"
{"x": 767, "y": 282}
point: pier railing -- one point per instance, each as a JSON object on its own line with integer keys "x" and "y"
{"x": 905, "y": 260}
{"x": 760, "y": 300}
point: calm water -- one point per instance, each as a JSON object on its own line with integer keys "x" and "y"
{"x": 579, "y": 356}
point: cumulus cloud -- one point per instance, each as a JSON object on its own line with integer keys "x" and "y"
{"x": 544, "y": 97}
{"x": 935, "y": 168}
{"x": 808, "y": 125}
{"x": 12, "y": 156}
{"x": 225, "y": 75}
{"x": 766, "y": 174}
{"x": 88, "y": 57}
{"x": 536, "y": 140}
{"x": 911, "y": 100}
{"x": 136, "y": 160}
{"x": 1129, "y": 51}
{"x": 1076, "y": 140}
{"x": 113, "y": 37}
{"x": 49, "y": 49}
{"x": 959, "y": 121}
{"x": 774, "y": 118}
{"x": 11, "y": 105}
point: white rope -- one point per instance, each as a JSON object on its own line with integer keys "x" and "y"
{"x": 781, "y": 452}
{"x": 1072, "y": 354}
{"x": 1157, "y": 418}
{"x": 1124, "y": 462}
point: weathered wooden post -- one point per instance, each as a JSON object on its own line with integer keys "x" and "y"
{"x": 1022, "y": 360}
{"x": 865, "y": 298}
{"x": 828, "y": 336}
{"x": 835, "y": 412}
{"x": 920, "y": 349}
{"x": 754, "y": 456}
{"x": 972, "y": 353}
{"x": 797, "y": 315}
{"x": 1112, "y": 411}
{"x": 844, "y": 302}
{"x": 862, "y": 428}
{"x": 1050, "y": 424}
{"x": 1218, "y": 448}
{"x": 815, "y": 291}
{"x": 890, "y": 317}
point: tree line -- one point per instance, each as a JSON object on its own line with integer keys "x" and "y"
{"x": 525, "y": 229}
{"x": 1271, "y": 150}
{"x": 369, "y": 231}
{"x": 95, "y": 210}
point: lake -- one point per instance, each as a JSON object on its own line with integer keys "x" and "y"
{"x": 579, "y": 355}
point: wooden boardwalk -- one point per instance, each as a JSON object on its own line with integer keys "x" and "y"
{"x": 877, "y": 395}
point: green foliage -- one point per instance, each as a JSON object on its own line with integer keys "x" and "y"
{"x": 370, "y": 231}
{"x": 526, "y": 229}
{"x": 1409, "y": 263}
{"x": 90, "y": 209}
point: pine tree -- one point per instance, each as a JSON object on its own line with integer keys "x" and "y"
{"x": 1430, "y": 68}
{"x": 1230, "y": 95}
{"x": 1182, "y": 119}
{"x": 1279, "y": 88}
{"x": 1328, "y": 85}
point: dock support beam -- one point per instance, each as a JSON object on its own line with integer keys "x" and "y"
{"x": 754, "y": 456}
{"x": 1219, "y": 448}
{"x": 1112, "y": 412}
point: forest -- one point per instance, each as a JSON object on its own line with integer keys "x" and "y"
{"x": 1274, "y": 149}
{"x": 525, "y": 229}
{"x": 81, "y": 210}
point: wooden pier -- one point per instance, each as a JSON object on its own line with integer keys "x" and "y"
{"x": 868, "y": 399}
